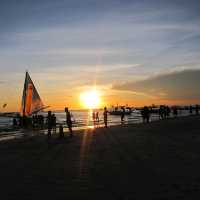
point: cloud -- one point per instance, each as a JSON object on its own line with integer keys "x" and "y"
{"x": 176, "y": 85}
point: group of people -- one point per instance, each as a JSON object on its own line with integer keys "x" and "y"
{"x": 164, "y": 111}
{"x": 196, "y": 108}
{"x": 51, "y": 124}
{"x": 38, "y": 121}
{"x": 95, "y": 117}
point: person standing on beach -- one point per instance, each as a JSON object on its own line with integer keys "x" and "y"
{"x": 49, "y": 124}
{"x": 69, "y": 121}
{"x": 94, "y": 117}
{"x": 175, "y": 111}
{"x": 122, "y": 115}
{"x": 105, "y": 117}
{"x": 145, "y": 114}
{"x": 190, "y": 109}
{"x": 197, "y": 109}
{"x": 53, "y": 118}
{"x": 97, "y": 117}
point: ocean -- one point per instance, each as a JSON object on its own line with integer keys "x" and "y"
{"x": 83, "y": 119}
{"x": 80, "y": 119}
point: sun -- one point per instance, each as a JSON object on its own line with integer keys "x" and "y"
{"x": 90, "y": 99}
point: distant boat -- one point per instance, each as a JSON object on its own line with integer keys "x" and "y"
{"x": 31, "y": 101}
{"x": 118, "y": 110}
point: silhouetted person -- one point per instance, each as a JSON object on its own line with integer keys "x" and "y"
{"x": 175, "y": 111}
{"x": 41, "y": 121}
{"x": 168, "y": 111}
{"x": 97, "y": 117}
{"x": 161, "y": 112}
{"x": 33, "y": 121}
{"x": 24, "y": 121}
{"x": 122, "y": 115}
{"x": 105, "y": 117}
{"x": 197, "y": 109}
{"x": 145, "y": 114}
{"x": 61, "y": 133}
{"x": 142, "y": 113}
{"x": 93, "y": 117}
{"x": 53, "y": 118}
{"x": 49, "y": 124}
{"x": 14, "y": 122}
{"x": 69, "y": 121}
{"x": 190, "y": 109}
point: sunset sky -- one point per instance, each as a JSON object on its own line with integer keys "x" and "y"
{"x": 135, "y": 52}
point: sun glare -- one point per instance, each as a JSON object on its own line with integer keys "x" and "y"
{"x": 90, "y": 99}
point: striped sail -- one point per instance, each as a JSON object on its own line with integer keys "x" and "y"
{"x": 31, "y": 101}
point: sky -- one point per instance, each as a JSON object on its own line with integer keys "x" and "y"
{"x": 136, "y": 52}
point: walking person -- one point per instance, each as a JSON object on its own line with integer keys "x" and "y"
{"x": 97, "y": 117}
{"x": 197, "y": 109}
{"x": 53, "y": 118}
{"x": 191, "y": 109}
{"x": 147, "y": 114}
{"x": 69, "y": 121}
{"x": 94, "y": 117}
{"x": 49, "y": 124}
{"x": 175, "y": 111}
{"x": 122, "y": 115}
{"x": 105, "y": 117}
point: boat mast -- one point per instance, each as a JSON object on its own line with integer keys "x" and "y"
{"x": 24, "y": 95}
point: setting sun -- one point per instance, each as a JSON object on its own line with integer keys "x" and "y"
{"x": 90, "y": 99}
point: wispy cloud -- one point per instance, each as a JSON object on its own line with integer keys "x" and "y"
{"x": 68, "y": 44}
{"x": 176, "y": 85}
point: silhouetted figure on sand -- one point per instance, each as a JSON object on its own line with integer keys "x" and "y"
{"x": 40, "y": 121}
{"x": 168, "y": 111}
{"x": 14, "y": 122}
{"x": 197, "y": 109}
{"x": 97, "y": 117}
{"x": 61, "y": 132}
{"x": 161, "y": 112}
{"x": 191, "y": 109}
{"x": 122, "y": 115}
{"x": 145, "y": 114}
{"x": 94, "y": 117}
{"x": 105, "y": 117}
{"x": 175, "y": 111}
{"x": 69, "y": 121}
{"x": 49, "y": 124}
{"x": 53, "y": 118}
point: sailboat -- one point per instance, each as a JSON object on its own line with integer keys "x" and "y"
{"x": 31, "y": 101}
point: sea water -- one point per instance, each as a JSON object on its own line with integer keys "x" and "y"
{"x": 79, "y": 118}
{"x": 83, "y": 119}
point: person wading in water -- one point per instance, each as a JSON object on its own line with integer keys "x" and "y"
{"x": 105, "y": 117}
{"x": 69, "y": 121}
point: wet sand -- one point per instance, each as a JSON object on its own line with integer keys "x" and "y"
{"x": 160, "y": 160}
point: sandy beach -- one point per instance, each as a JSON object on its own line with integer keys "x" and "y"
{"x": 160, "y": 160}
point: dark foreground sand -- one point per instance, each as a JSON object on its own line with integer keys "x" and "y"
{"x": 160, "y": 160}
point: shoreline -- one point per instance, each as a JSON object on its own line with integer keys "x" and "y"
{"x": 11, "y": 132}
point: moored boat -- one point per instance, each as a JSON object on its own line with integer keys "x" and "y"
{"x": 119, "y": 110}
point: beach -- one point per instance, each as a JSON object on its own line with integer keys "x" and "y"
{"x": 159, "y": 160}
